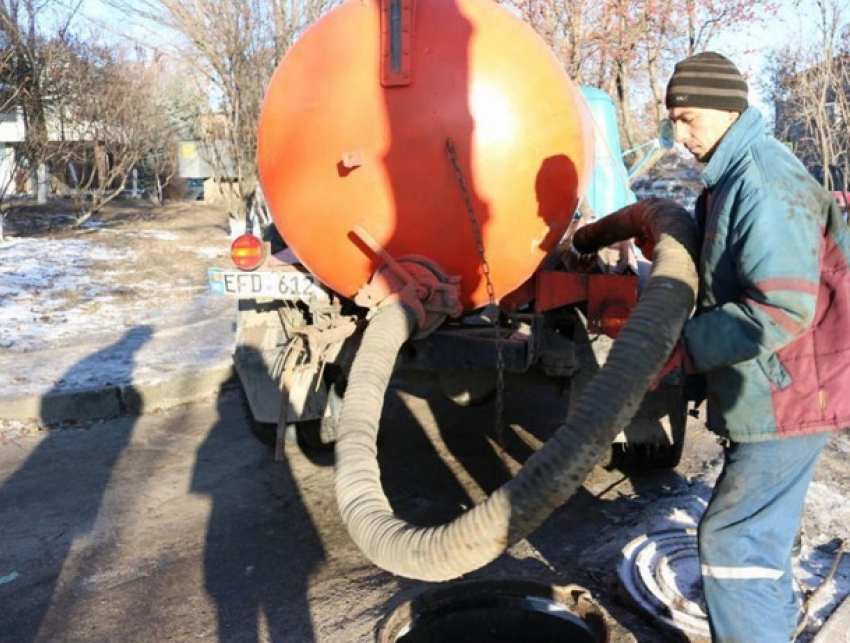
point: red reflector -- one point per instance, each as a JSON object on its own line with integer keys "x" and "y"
{"x": 613, "y": 319}
{"x": 247, "y": 252}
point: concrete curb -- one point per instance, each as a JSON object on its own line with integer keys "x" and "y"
{"x": 139, "y": 370}
{"x": 102, "y": 402}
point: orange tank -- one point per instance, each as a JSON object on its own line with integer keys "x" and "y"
{"x": 355, "y": 130}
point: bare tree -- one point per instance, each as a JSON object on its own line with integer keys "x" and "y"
{"x": 182, "y": 104}
{"x": 234, "y": 46}
{"x": 38, "y": 35}
{"x": 115, "y": 120}
{"x": 628, "y": 47}
{"x": 8, "y": 159}
{"x": 34, "y": 39}
{"x": 571, "y": 28}
{"x": 810, "y": 84}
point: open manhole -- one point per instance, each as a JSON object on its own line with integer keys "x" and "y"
{"x": 498, "y": 611}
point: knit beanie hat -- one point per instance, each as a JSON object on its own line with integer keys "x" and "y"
{"x": 707, "y": 80}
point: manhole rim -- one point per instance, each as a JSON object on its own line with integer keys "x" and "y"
{"x": 645, "y": 572}
{"x": 574, "y": 600}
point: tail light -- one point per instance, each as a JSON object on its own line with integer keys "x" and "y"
{"x": 613, "y": 319}
{"x": 247, "y": 252}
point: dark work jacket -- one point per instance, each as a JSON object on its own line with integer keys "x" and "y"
{"x": 772, "y": 327}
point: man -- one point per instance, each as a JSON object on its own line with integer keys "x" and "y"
{"x": 770, "y": 336}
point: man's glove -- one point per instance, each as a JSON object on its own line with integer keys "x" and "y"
{"x": 679, "y": 360}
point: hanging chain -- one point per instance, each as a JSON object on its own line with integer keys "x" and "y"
{"x": 451, "y": 152}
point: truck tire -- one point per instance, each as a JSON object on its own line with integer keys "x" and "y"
{"x": 646, "y": 453}
{"x": 635, "y": 458}
{"x": 315, "y": 435}
{"x": 320, "y": 434}
{"x": 264, "y": 432}
{"x": 307, "y": 435}
{"x": 653, "y": 455}
{"x": 468, "y": 387}
{"x": 310, "y": 434}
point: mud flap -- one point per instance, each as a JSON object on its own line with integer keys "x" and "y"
{"x": 305, "y": 395}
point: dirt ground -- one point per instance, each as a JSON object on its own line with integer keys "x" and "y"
{"x": 130, "y": 264}
{"x": 134, "y": 224}
{"x": 57, "y": 218}
{"x": 190, "y": 531}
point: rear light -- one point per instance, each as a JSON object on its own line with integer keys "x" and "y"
{"x": 613, "y": 319}
{"x": 247, "y": 252}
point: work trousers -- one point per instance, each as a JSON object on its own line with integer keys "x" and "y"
{"x": 746, "y": 537}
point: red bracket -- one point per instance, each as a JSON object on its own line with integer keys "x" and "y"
{"x": 609, "y": 298}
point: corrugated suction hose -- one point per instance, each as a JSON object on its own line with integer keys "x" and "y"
{"x": 555, "y": 472}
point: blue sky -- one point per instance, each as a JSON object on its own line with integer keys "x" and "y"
{"x": 750, "y": 51}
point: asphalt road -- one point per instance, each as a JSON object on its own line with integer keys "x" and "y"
{"x": 180, "y": 526}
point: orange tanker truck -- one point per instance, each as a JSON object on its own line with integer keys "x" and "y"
{"x": 445, "y": 200}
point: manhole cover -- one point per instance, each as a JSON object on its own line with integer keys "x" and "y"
{"x": 497, "y": 612}
{"x": 660, "y": 571}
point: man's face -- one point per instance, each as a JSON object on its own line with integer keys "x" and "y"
{"x": 700, "y": 129}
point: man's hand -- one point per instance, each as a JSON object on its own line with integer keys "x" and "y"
{"x": 679, "y": 360}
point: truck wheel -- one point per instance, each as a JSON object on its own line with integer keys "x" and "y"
{"x": 318, "y": 435}
{"x": 264, "y": 432}
{"x": 644, "y": 452}
{"x": 308, "y": 435}
{"x": 653, "y": 456}
{"x": 646, "y": 457}
{"x": 468, "y": 387}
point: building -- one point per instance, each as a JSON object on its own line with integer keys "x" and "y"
{"x": 813, "y": 118}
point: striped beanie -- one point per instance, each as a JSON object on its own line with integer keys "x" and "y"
{"x": 707, "y": 80}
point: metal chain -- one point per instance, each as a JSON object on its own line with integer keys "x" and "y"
{"x": 451, "y": 152}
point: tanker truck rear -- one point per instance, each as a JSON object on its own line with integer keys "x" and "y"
{"x": 408, "y": 155}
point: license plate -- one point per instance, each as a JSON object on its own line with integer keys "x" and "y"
{"x": 290, "y": 285}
